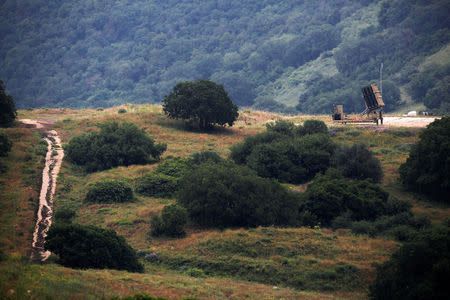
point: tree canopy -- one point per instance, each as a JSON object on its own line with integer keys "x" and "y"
{"x": 8, "y": 111}
{"x": 202, "y": 102}
{"x": 427, "y": 169}
{"x": 91, "y": 54}
{"x": 418, "y": 270}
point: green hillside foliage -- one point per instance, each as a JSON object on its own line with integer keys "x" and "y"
{"x": 427, "y": 169}
{"x": 418, "y": 269}
{"x": 99, "y": 54}
{"x": 114, "y": 145}
{"x": 357, "y": 162}
{"x": 5, "y": 144}
{"x": 80, "y": 246}
{"x": 226, "y": 195}
{"x": 109, "y": 191}
{"x": 289, "y": 153}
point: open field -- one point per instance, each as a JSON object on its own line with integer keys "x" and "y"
{"x": 237, "y": 263}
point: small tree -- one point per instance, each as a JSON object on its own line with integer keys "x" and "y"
{"x": 7, "y": 107}
{"x": 203, "y": 102}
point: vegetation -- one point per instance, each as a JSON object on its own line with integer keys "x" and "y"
{"x": 5, "y": 144}
{"x": 253, "y": 262}
{"x": 79, "y": 246}
{"x": 264, "y": 50}
{"x": 171, "y": 223}
{"x": 8, "y": 111}
{"x": 427, "y": 169}
{"x": 203, "y": 102}
{"x": 289, "y": 153}
{"x": 224, "y": 195}
{"x": 357, "y": 162}
{"x": 109, "y": 191}
{"x": 165, "y": 181}
{"x": 417, "y": 270}
{"x": 114, "y": 145}
{"x": 329, "y": 197}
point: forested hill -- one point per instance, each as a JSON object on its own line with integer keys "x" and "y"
{"x": 277, "y": 55}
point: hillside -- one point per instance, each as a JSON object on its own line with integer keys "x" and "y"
{"x": 284, "y": 56}
{"x": 236, "y": 263}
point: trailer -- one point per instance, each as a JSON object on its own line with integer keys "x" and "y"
{"x": 373, "y": 112}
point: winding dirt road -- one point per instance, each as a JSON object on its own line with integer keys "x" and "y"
{"x": 53, "y": 160}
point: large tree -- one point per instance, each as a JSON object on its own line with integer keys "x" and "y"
{"x": 203, "y": 102}
{"x": 7, "y": 107}
{"x": 427, "y": 169}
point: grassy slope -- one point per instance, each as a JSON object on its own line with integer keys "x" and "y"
{"x": 302, "y": 258}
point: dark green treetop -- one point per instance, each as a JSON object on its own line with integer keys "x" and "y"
{"x": 203, "y": 102}
{"x": 7, "y": 107}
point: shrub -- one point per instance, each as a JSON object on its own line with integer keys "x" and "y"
{"x": 427, "y": 168}
{"x": 313, "y": 127}
{"x": 171, "y": 223}
{"x": 225, "y": 194}
{"x": 109, "y": 191}
{"x": 114, "y": 145}
{"x": 5, "y": 144}
{"x": 357, "y": 162}
{"x": 164, "y": 181}
{"x": 418, "y": 270}
{"x": 329, "y": 197}
{"x": 122, "y": 111}
{"x": 157, "y": 185}
{"x": 64, "y": 215}
{"x": 79, "y": 246}
{"x": 139, "y": 296}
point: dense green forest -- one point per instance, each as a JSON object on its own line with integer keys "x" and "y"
{"x": 285, "y": 56}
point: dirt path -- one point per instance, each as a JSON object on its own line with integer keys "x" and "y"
{"x": 53, "y": 160}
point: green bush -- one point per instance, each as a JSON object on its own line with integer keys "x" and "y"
{"x": 64, "y": 215}
{"x": 5, "y": 144}
{"x": 79, "y": 246}
{"x": 114, "y": 145}
{"x": 109, "y": 191}
{"x": 164, "y": 182}
{"x": 418, "y": 270}
{"x": 329, "y": 197}
{"x": 427, "y": 168}
{"x": 139, "y": 297}
{"x": 157, "y": 185}
{"x": 289, "y": 153}
{"x": 313, "y": 127}
{"x": 357, "y": 162}
{"x": 224, "y": 194}
{"x": 122, "y": 111}
{"x": 171, "y": 223}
